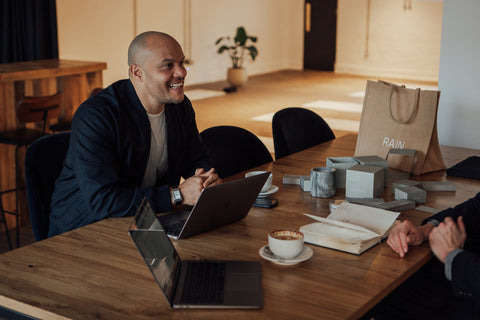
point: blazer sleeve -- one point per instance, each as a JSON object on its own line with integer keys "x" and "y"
{"x": 466, "y": 265}
{"x": 469, "y": 210}
{"x": 466, "y": 275}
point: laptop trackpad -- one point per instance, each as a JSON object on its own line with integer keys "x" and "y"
{"x": 244, "y": 286}
{"x": 241, "y": 282}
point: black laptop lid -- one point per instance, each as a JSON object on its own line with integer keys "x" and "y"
{"x": 156, "y": 249}
{"x": 223, "y": 204}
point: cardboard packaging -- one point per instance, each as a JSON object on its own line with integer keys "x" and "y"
{"x": 305, "y": 183}
{"x": 377, "y": 162}
{"x": 341, "y": 164}
{"x": 291, "y": 179}
{"x": 364, "y": 181}
{"x": 411, "y": 193}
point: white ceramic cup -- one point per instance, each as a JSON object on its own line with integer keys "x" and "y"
{"x": 267, "y": 186}
{"x": 285, "y": 244}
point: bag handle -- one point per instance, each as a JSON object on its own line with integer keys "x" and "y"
{"x": 415, "y": 106}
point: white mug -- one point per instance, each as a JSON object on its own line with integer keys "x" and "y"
{"x": 268, "y": 185}
{"x": 285, "y": 244}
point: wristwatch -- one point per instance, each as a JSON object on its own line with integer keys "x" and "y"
{"x": 176, "y": 195}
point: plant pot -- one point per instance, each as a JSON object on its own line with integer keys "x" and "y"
{"x": 237, "y": 76}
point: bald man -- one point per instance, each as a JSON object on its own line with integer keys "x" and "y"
{"x": 132, "y": 140}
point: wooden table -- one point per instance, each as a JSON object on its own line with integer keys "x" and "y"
{"x": 35, "y": 78}
{"x": 96, "y": 271}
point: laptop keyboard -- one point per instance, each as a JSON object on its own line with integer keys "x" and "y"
{"x": 204, "y": 283}
{"x": 174, "y": 228}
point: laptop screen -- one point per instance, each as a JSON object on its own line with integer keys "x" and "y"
{"x": 156, "y": 249}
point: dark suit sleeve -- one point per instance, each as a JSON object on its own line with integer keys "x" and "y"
{"x": 469, "y": 210}
{"x": 466, "y": 264}
{"x": 466, "y": 275}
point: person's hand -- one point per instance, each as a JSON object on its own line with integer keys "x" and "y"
{"x": 191, "y": 189}
{"x": 447, "y": 237}
{"x": 211, "y": 178}
{"x": 405, "y": 234}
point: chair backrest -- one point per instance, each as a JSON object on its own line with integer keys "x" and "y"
{"x": 233, "y": 149}
{"x": 296, "y": 129}
{"x": 39, "y": 108}
{"x": 43, "y": 163}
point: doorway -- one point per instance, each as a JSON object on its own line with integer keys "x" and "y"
{"x": 320, "y": 34}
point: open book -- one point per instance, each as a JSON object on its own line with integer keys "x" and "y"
{"x": 350, "y": 227}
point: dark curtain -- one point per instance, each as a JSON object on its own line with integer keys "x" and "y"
{"x": 28, "y": 30}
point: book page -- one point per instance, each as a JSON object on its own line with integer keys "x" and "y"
{"x": 348, "y": 227}
{"x": 377, "y": 220}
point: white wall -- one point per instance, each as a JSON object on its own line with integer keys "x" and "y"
{"x": 389, "y": 40}
{"x": 96, "y": 30}
{"x": 101, "y": 30}
{"x": 459, "y": 108}
{"x": 401, "y": 43}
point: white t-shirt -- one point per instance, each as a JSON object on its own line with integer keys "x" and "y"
{"x": 158, "y": 160}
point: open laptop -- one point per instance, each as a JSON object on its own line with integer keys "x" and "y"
{"x": 194, "y": 283}
{"x": 217, "y": 206}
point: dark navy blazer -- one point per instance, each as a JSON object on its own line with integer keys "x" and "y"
{"x": 466, "y": 265}
{"x": 108, "y": 154}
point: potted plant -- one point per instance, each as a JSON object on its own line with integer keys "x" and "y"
{"x": 236, "y": 48}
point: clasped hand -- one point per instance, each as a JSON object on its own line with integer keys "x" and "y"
{"x": 192, "y": 187}
{"x": 443, "y": 239}
{"x": 447, "y": 237}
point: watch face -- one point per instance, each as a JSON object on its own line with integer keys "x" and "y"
{"x": 177, "y": 196}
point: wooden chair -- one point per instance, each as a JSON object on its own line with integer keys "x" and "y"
{"x": 37, "y": 110}
{"x": 296, "y": 129}
{"x": 233, "y": 149}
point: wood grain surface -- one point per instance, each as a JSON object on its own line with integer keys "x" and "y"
{"x": 96, "y": 272}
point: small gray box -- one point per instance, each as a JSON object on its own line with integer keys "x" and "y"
{"x": 291, "y": 179}
{"x": 410, "y": 193}
{"x": 341, "y": 164}
{"x": 377, "y": 162}
{"x": 398, "y": 205}
{"x": 438, "y": 186}
{"x": 364, "y": 181}
{"x": 305, "y": 183}
{"x": 405, "y": 183}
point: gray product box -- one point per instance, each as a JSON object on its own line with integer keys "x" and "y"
{"x": 377, "y": 162}
{"x": 405, "y": 183}
{"x": 410, "y": 193}
{"x": 438, "y": 186}
{"x": 364, "y": 181}
{"x": 291, "y": 179}
{"x": 341, "y": 164}
{"x": 398, "y": 205}
{"x": 305, "y": 183}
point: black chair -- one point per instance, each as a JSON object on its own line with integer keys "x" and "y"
{"x": 233, "y": 149}
{"x": 296, "y": 129}
{"x": 43, "y": 163}
{"x": 34, "y": 111}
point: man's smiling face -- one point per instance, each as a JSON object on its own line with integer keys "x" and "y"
{"x": 164, "y": 73}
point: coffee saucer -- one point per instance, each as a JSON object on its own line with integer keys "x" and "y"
{"x": 265, "y": 253}
{"x": 272, "y": 190}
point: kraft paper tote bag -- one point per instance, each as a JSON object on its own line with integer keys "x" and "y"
{"x": 395, "y": 117}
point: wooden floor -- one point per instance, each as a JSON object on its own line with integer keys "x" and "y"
{"x": 267, "y": 93}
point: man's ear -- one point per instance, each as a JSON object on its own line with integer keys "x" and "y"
{"x": 136, "y": 72}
